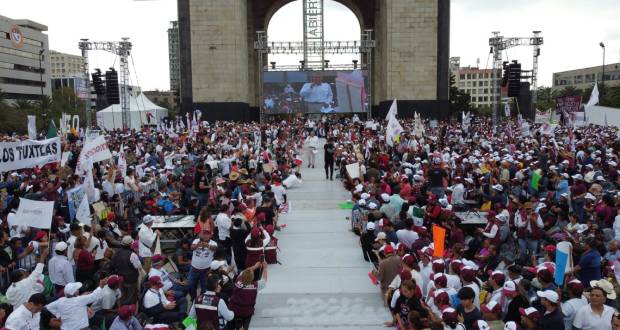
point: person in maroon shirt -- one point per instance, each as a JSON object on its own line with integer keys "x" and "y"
{"x": 84, "y": 259}
{"x": 578, "y": 192}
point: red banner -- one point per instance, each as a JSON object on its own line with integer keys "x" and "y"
{"x": 568, "y": 104}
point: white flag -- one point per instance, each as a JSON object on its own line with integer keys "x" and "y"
{"x": 32, "y": 127}
{"x": 393, "y": 111}
{"x": 394, "y": 128}
{"x": 507, "y": 110}
{"x": 83, "y": 212}
{"x": 89, "y": 182}
{"x": 121, "y": 163}
{"x": 593, "y": 97}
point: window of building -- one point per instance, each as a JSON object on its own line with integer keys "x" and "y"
{"x": 473, "y": 91}
{"x": 469, "y": 76}
{"x": 461, "y": 84}
{"x": 486, "y": 91}
{"x": 469, "y": 84}
{"x": 462, "y": 76}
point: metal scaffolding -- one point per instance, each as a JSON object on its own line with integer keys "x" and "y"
{"x": 121, "y": 49}
{"x": 498, "y": 44}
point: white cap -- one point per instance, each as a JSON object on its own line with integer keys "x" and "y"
{"x": 380, "y": 235}
{"x": 72, "y": 288}
{"x": 550, "y": 295}
{"x": 361, "y": 202}
{"x": 498, "y": 187}
{"x": 370, "y": 226}
{"x": 60, "y": 246}
{"x": 577, "y": 176}
{"x": 365, "y": 196}
{"x": 147, "y": 219}
{"x": 385, "y": 197}
{"x": 372, "y": 206}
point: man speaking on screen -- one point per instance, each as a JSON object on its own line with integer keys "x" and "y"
{"x": 316, "y": 94}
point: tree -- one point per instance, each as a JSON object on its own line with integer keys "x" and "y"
{"x": 569, "y": 91}
{"x": 459, "y": 100}
{"x": 545, "y": 98}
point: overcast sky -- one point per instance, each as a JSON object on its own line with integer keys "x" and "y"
{"x": 572, "y": 30}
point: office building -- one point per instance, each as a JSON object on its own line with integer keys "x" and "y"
{"x": 24, "y": 60}
{"x": 66, "y": 65}
{"x": 584, "y": 78}
{"x": 478, "y": 83}
{"x": 161, "y": 97}
{"x": 173, "y": 56}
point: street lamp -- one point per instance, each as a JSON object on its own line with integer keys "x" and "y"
{"x": 602, "y": 79}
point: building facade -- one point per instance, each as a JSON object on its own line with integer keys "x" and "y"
{"x": 173, "y": 56}
{"x": 584, "y": 78}
{"x": 160, "y": 97}
{"x": 24, "y": 60}
{"x": 478, "y": 83}
{"x": 66, "y": 65}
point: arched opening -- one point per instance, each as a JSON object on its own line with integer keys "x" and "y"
{"x": 341, "y": 23}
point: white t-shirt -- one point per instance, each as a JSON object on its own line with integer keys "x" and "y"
{"x": 278, "y": 191}
{"x": 585, "y": 319}
{"x": 291, "y": 181}
{"x": 202, "y": 256}
{"x": 570, "y": 308}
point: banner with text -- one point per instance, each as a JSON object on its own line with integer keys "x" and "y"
{"x": 28, "y": 153}
{"x": 34, "y": 214}
{"x": 568, "y": 104}
{"x": 97, "y": 149}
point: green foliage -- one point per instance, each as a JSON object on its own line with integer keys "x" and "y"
{"x": 459, "y": 100}
{"x": 63, "y": 100}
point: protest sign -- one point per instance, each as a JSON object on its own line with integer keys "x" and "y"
{"x": 353, "y": 170}
{"x": 34, "y": 214}
{"x": 74, "y": 198}
{"x": 439, "y": 241}
{"x": 97, "y": 149}
{"x": 28, "y": 153}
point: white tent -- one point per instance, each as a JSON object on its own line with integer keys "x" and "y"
{"x": 139, "y": 107}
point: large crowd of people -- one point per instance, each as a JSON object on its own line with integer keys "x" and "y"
{"x": 528, "y": 190}
{"x": 507, "y": 199}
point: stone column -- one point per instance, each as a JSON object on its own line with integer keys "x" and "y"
{"x": 219, "y": 48}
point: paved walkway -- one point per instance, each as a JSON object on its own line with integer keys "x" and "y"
{"x": 322, "y": 282}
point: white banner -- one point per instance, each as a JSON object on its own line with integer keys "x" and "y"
{"x": 32, "y": 127}
{"x": 28, "y": 153}
{"x": 353, "y": 170}
{"x": 34, "y": 214}
{"x": 97, "y": 149}
{"x": 83, "y": 212}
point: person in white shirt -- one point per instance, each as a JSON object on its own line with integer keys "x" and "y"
{"x": 76, "y": 231}
{"x": 59, "y": 267}
{"x": 312, "y": 142}
{"x": 172, "y": 285}
{"x": 316, "y": 94}
{"x": 203, "y": 249}
{"x": 72, "y": 309}
{"x": 157, "y": 305}
{"x": 147, "y": 238}
{"x": 458, "y": 193}
{"x": 279, "y": 191}
{"x": 223, "y": 223}
{"x": 595, "y": 315}
{"x": 575, "y": 301}
{"x": 25, "y": 285}
{"x": 27, "y": 316}
{"x": 406, "y": 235}
{"x": 292, "y": 180}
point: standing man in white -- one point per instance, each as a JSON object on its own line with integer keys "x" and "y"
{"x": 312, "y": 142}
{"x": 147, "y": 238}
{"x": 316, "y": 94}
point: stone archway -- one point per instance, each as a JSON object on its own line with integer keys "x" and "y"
{"x": 219, "y": 67}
